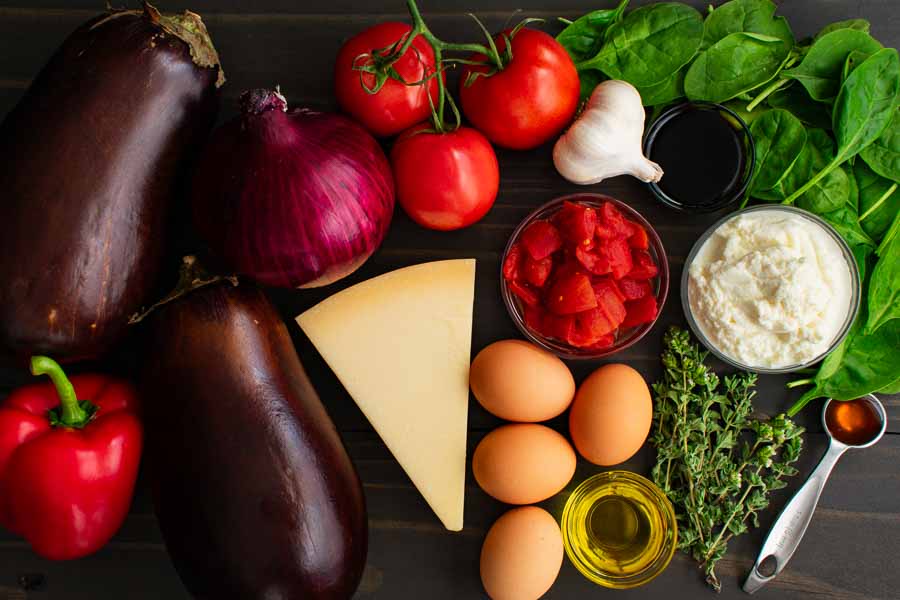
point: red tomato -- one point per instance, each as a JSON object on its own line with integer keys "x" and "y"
{"x": 531, "y": 100}
{"x": 396, "y": 106}
{"x": 445, "y": 181}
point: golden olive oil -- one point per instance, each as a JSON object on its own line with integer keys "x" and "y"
{"x": 619, "y": 529}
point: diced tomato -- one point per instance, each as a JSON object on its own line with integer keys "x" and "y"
{"x": 644, "y": 267}
{"x": 632, "y": 289}
{"x": 604, "y": 232}
{"x": 566, "y": 267}
{"x": 609, "y": 301}
{"x": 559, "y": 327}
{"x": 534, "y": 317}
{"x": 576, "y": 223}
{"x": 640, "y": 311}
{"x": 614, "y": 220}
{"x": 605, "y": 341}
{"x": 603, "y": 284}
{"x": 590, "y": 327}
{"x": 639, "y": 239}
{"x": 525, "y": 293}
{"x": 571, "y": 294}
{"x": 618, "y": 254}
{"x": 541, "y": 239}
{"x": 593, "y": 262}
{"x": 512, "y": 264}
{"x": 537, "y": 271}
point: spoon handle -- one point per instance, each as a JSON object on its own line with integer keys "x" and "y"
{"x": 791, "y": 524}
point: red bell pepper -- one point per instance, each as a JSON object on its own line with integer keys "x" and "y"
{"x": 68, "y": 466}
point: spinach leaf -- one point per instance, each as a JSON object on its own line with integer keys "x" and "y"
{"x": 853, "y": 201}
{"x": 588, "y": 80}
{"x": 857, "y": 24}
{"x": 854, "y": 59}
{"x": 584, "y": 37}
{"x": 864, "y": 107}
{"x": 879, "y": 200}
{"x": 894, "y": 388}
{"x": 883, "y": 155}
{"x": 862, "y": 364}
{"x": 821, "y": 69}
{"x": 868, "y": 364}
{"x": 884, "y": 286}
{"x": 795, "y": 99}
{"x": 829, "y": 194}
{"x": 752, "y": 16}
{"x": 779, "y": 137}
{"x": 650, "y": 44}
{"x": 737, "y": 63}
{"x": 665, "y": 91}
{"x": 845, "y": 222}
{"x": 866, "y": 103}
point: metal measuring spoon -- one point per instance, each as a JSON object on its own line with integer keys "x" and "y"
{"x": 791, "y": 524}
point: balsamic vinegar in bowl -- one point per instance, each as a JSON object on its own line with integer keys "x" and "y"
{"x": 706, "y": 153}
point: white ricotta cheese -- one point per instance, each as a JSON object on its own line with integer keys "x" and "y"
{"x": 770, "y": 289}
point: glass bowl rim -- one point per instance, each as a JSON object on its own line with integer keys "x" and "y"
{"x": 665, "y": 117}
{"x": 565, "y": 351}
{"x": 653, "y": 492}
{"x": 855, "y": 284}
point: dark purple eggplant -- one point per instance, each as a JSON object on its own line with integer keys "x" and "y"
{"x": 90, "y": 161}
{"x": 255, "y": 494}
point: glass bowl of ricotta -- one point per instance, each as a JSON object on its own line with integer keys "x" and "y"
{"x": 770, "y": 289}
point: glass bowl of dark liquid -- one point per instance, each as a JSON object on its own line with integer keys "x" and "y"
{"x": 706, "y": 153}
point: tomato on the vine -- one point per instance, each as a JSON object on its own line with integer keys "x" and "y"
{"x": 445, "y": 180}
{"x": 397, "y": 105}
{"x": 527, "y": 102}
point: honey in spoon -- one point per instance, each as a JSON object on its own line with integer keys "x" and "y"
{"x": 854, "y": 422}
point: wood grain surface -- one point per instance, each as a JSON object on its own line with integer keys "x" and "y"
{"x": 851, "y": 549}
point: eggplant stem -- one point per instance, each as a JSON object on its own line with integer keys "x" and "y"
{"x": 192, "y": 277}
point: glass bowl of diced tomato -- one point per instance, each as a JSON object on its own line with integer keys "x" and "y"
{"x": 584, "y": 276}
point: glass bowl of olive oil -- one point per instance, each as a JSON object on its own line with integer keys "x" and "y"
{"x": 619, "y": 529}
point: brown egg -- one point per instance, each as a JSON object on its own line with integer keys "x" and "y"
{"x": 518, "y": 381}
{"x": 521, "y": 555}
{"x": 611, "y": 415}
{"x": 523, "y": 463}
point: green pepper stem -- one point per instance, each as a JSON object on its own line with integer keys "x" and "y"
{"x": 72, "y": 412}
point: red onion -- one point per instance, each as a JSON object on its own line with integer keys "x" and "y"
{"x": 292, "y": 198}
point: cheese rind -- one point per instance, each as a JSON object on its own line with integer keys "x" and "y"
{"x": 400, "y": 344}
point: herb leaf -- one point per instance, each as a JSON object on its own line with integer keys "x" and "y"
{"x": 714, "y": 462}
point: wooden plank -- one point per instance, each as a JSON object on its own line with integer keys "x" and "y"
{"x": 851, "y": 546}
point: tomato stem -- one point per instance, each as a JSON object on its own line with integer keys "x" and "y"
{"x": 379, "y": 63}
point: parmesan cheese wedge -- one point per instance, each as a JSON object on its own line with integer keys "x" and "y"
{"x": 400, "y": 344}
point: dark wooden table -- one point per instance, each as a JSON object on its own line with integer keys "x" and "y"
{"x": 851, "y": 549}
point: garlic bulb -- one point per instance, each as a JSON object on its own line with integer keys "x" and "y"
{"x": 605, "y": 140}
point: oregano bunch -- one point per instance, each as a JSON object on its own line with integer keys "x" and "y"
{"x": 715, "y": 462}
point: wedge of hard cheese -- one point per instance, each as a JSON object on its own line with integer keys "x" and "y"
{"x": 400, "y": 345}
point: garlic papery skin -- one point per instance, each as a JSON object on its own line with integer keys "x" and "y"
{"x": 605, "y": 141}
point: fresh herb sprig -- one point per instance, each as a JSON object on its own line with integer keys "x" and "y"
{"x": 715, "y": 462}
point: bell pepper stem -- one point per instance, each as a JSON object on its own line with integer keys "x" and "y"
{"x": 72, "y": 413}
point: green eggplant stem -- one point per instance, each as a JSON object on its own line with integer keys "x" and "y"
{"x": 72, "y": 414}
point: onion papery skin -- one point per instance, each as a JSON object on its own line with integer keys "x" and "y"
{"x": 292, "y": 198}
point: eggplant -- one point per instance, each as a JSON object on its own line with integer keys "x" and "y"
{"x": 255, "y": 494}
{"x": 92, "y": 157}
